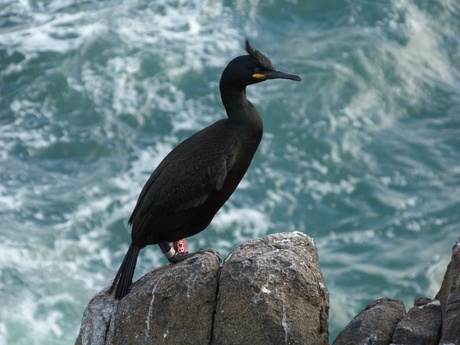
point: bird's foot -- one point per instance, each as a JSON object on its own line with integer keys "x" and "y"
{"x": 178, "y": 257}
{"x": 184, "y": 256}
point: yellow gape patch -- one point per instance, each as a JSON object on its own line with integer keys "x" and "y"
{"x": 258, "y": 76}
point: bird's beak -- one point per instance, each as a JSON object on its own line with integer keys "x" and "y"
{"x": 280, "y": 75}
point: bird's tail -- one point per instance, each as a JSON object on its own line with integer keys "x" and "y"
{"x": 125, "y": 273}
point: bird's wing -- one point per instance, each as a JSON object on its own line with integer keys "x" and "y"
{"x": 198, "y": 181}
{"x": 179, "y": 185}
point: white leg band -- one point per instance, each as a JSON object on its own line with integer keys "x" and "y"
{"x": 170, "y": 253}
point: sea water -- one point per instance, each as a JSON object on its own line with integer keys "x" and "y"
{"x": 363, "y": 155}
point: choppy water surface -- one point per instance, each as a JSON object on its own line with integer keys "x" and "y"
{"x": 363, "y": 155}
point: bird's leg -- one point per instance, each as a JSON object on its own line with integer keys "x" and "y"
{"x": 166, "y": 249}
{"x": 172, "y": 256}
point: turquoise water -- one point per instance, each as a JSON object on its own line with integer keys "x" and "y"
{"x": 363, "y": 155}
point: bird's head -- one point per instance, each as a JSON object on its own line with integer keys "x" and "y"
{"x": 252, "y": 68}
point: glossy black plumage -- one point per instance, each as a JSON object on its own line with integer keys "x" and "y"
{"x": 196, "y": 178}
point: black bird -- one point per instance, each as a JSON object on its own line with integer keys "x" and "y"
{"x": 196, "y": 178}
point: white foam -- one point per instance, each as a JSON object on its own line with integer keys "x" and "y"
{"x": 57, "y": 33}
{"x": 244, "y": 223}
{"x": 8, "y": 201}
{"x": 70, "y": 253}
{"x": 423, "y": 36}
{"x": 67, "y": 256}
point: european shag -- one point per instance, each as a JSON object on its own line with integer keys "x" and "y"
{"x": 197, "y": 177}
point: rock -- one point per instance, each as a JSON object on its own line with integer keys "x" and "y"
{"x": 271, "y": 291}
{"x": 173, "y": 304}
{"x": 421, "y": 325}
{"x": 449, "y": 296}
{"x": 374, "y": 325}
{"x": 96, "y": 320}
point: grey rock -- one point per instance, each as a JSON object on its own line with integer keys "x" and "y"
{"x": 375, "y": 325}
{"x": 272, "y": 291}
{"x": 96, "y": 320}
{"x": 173, "y": 304}
{"x": 421, "y": 325}
{"x": 449, "y": 296}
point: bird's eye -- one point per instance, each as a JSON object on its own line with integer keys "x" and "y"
{"x": 258, "y": 74}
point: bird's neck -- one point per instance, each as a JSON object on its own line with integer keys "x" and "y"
{"x": 239, "y": 109}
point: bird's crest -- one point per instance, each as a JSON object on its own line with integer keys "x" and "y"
{"x": 261, "y": 59}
